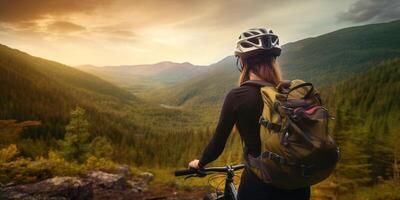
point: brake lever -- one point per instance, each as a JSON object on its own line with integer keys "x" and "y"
{"x": 200, "y": 174}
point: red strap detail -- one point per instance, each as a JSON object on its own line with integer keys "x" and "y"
{"x": 311, "y": 110}
{"x": 307, "y": 111}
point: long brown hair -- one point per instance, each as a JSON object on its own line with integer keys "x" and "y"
{"x": 264, "y": 66}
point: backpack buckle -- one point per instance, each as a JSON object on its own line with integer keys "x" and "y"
{"x": 275, "y": 157}
{"x": 269, "y": 125}
{"x": 265, "y": 122}
{"x": 262, "y": 121}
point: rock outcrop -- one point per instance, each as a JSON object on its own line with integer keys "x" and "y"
{"x": 147, "y": 176}
{"x": 124, "y": 171}
{"x": 93, "y": 185}
{"x": 106, "y": 180}
{"x": 100, "y": 185}
{"x": 54, "y": 188}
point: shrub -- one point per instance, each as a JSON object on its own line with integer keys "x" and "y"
{"x": 103, "y": 164}
{"x": 101, "y": 147}
{"x": 56, "y": 165}
{"x": 9, "y": 153}
{"x": 24, "y": 170}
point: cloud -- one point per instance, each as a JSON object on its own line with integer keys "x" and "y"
{"x": 200, "y": 13}
{"x": 27, "y": 26}
{"x": 65, "y": 27}
{"x": 12, "y": 11}
{"x": 108, "y": 32}
{"x": 371, "y": 10}
{"x": 115, "y": 31}
{"x": 194, "y": 14}
{"x": 122, "y": 36}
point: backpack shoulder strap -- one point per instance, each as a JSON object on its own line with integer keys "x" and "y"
{"x": 257, "y": 83}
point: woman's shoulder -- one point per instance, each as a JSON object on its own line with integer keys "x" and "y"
{"x": 239, "y": 91}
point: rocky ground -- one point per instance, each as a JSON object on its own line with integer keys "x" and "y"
{"x": 100, "y": 185}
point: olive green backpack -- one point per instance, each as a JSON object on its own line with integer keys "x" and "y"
{"x": 297, "y": 150}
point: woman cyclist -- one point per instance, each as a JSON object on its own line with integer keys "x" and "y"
{"x": 257, "y": 50}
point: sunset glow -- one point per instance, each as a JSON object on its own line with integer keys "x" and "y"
{"x": 77, "y": 32}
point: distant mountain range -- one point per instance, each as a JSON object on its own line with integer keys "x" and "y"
{"x": 138, "y": 78}
{"x": 323, "y": 60}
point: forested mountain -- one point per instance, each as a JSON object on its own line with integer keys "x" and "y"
{"x": 37, "y": 89}
{"x": 366, "y": 109}
{"x": 341, "y": 54}
{"x": 16, "y": 62}
{"x": 32, "y": 88}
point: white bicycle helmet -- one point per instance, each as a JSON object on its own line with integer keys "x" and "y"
{"x": 257, "y": 40}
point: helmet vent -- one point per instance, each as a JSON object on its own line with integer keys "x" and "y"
{"x": 246, "y": 34}
{"x": 254, "y": 40}
{"x": 245, "y": 45}
{"x": 275, "y": 39}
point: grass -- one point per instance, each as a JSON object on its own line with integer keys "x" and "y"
{"x": 387, "y": 190}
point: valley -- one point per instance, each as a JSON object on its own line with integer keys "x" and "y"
{"x": 159, "y": 116}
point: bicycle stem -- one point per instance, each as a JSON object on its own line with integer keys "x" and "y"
{"x": 229, "y": 180}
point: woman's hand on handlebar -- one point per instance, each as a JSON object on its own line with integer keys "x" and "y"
{"x": 194, "y": 164}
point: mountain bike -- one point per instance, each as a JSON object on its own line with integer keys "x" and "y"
{"x": 230, "y": 192}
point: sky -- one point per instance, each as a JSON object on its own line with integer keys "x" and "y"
{"x": 125, "y": 32}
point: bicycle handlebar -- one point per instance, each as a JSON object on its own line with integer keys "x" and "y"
{"x": 185, "y": 172}
{"x": 202, "y": 172}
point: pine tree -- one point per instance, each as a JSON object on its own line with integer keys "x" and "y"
{"x": 75, "y": 143}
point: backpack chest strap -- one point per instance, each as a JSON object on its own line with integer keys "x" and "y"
{"x": 270, "y": 125}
